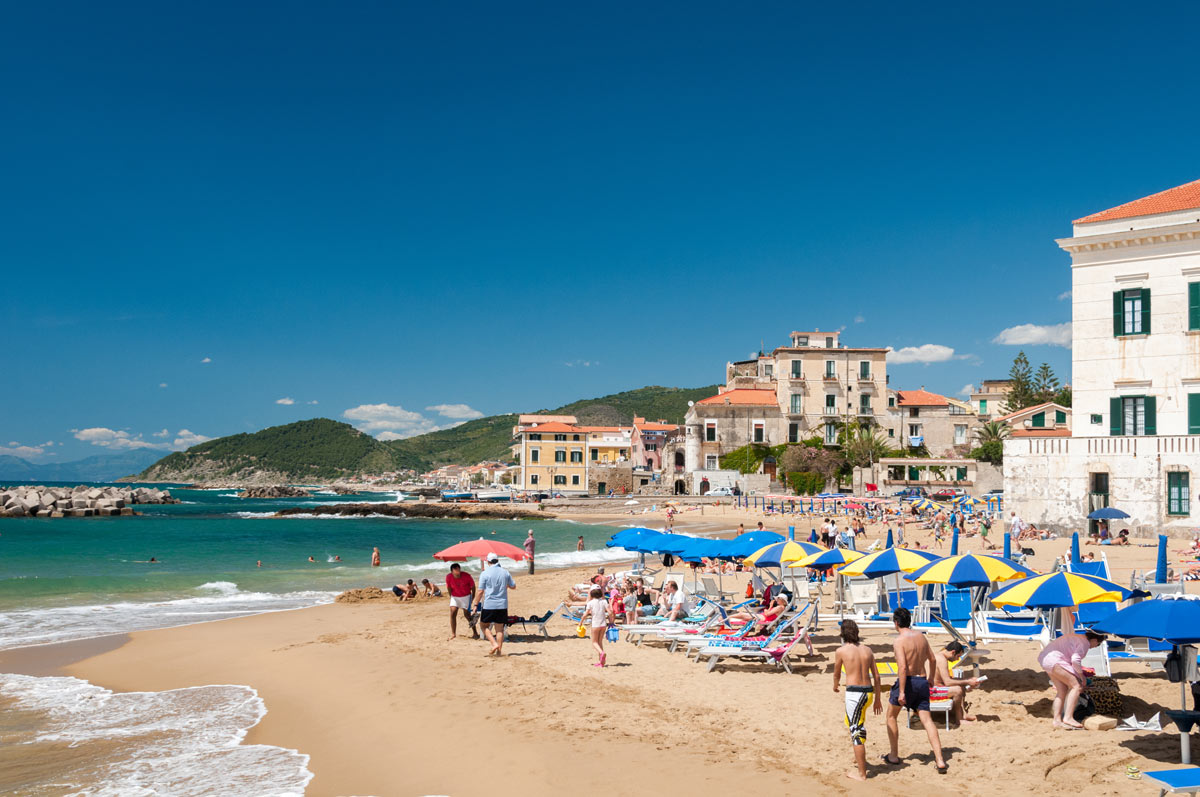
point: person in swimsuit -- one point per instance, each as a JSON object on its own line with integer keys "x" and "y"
{"x": 859, "y": 664}
{"x": 945, "y": 685}
{"x": 916, "y": 667}
{"x": 1062, "y": 660}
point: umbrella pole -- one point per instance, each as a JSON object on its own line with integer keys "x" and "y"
{"x": 1185, "y": 740}
{"x": 974, "y": 658}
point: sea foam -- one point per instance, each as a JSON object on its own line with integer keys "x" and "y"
{"x": 178, "y": 742}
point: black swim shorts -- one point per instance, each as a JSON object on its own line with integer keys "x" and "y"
{"x": 916, "y": 696}
{"x": 500, "y": 617}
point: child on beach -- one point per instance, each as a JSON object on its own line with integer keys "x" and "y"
{"x": 631, "y": 603}
{"x": 859, "y": 664}
{"x": 597, "y": 610}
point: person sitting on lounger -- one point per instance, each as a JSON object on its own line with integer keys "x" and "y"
{"x": 945, "y": 685}
{"x": 674, "y": 604}
{"x": 768, "y": 615}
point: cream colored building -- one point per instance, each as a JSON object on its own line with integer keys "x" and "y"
{"x": 989, "y": 401}
{"x": 945, "y": 427}
{"x": 1135, "y": 373}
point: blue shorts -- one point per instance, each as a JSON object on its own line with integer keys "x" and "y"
{"x": 916, "y": 696}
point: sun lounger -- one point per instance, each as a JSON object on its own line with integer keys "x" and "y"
{"x": 713, "y": 591}
{"x": 778, "y": 654}
{"x": 1175, "y": 781}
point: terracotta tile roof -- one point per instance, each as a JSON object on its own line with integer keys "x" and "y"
{"x": 1184, "y": 197}
{"x": 920, "y": 398}
{"x": 1034, "y": 408}
{"x": 657, "y": 427}
{"x": 743, "y": 397}
{"x": 1059, "y": 432}
{"x": 552, "y": 426}
{"x": 603, "y": 428}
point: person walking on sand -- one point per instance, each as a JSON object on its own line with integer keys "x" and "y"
{"x": 494, "y": 584}
{"x": 375, "y": 558}
{"x": 530, "y": 544}
{"x": 597, "y": 610}
{"x": 461, "y": 587}
{"x": 916, "y": 667}
{"x": 859, "y": 663}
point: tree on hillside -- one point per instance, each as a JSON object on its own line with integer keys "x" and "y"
{"x": 1045, "y": 384}
{"x": 1021, "y": 391}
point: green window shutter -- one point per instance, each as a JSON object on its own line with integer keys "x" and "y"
{"x": 1060, "y": 416}
{"x": 1151, "y": 419}
{"x": 982, "y": 406}
{"x": 1194, "y": 305}
{"x": 1145, "y": 311}
{"x": 1118, "y": 315}
{"x": 1039, "y": 420}
{"x": 1194, "y": 412}
{"x": 1115, "y": 416}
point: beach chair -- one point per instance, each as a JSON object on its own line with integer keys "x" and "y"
{"x": 863, "y": 597}
{"x": 1097, "y": 659}
{"x": 1175, "y": 781}
{"x": 762, "y": 651}
{"x": 712, "y": 590}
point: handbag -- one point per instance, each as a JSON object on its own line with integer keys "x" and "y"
{"x": 612, "y": 634}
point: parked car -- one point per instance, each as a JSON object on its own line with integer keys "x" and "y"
{"x": 998, "y": 491}
{"x": 948, "y": 494}
{"x": 721, "y": 492}
{"x": 910, "y": 492}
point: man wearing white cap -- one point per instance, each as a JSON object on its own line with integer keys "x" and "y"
{"x": 494, "y": 584}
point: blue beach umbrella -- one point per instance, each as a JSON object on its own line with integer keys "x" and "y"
{"x": 705, "y": 548}
{"x": 812, "y": 535}
{"x": 1160, "y": 570}
{"x": 890, "y": 542}
{"x": 751, "y": 541}
{"x": 1075, "y": 557}
{"x": 1107, "y": 513}
{"x": 672, "y": 543}
{"x": 954, "y": 543}
{"x": 969, "y": 570}
{"x": 1007, "y": 545}
{"x": 634, "y": 539}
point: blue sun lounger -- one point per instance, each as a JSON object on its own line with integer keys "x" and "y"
{"x": 1176, "y": 781}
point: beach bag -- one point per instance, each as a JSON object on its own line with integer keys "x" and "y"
{"x": 612, "y": 634}
{"x": 581, "y": 631}
{"x": 1084, "y": 708}
{"x": 1106, "y": 697}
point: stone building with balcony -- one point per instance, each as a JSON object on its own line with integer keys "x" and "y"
{"x": 943, "y": 426}
{"x": 1134, "y": 438}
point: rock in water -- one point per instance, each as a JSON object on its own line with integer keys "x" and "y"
{"x": 276, "y": 491}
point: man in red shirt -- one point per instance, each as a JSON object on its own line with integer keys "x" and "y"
{"x": 461, "y": 587}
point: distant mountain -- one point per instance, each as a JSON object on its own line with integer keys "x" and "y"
{"x": 325, "y": 450}
{"x": 313, "y": 450}
{"x": 98, "y": 468}
{"x": 490, "y": 437}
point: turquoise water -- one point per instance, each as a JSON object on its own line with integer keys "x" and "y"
{"x": 70, "y": 578}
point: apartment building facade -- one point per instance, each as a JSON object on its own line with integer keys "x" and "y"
{"x": 1135, "y": 370}
{"x": 945, "y": 427}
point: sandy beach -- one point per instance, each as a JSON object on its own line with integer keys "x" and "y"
{"x": 385, "y": 705}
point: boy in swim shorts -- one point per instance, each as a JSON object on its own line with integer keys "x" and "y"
{"x": 859, "y": 663}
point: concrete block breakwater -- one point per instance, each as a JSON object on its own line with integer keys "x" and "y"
{"x": 81, "y": 501}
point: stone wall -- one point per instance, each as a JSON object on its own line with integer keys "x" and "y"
{"x": 613, "y": 477}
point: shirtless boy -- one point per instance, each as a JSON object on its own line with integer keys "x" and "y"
{"x": 916, "y": 667}
{"x": 859, "y": 663}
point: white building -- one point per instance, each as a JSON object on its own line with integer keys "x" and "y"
{"x": 1135, "y": 428}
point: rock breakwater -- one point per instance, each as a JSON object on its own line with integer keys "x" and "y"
{"x": 274, "y": 491}
{"x": 81, "y": 501}
{"x": 413, "y": 509}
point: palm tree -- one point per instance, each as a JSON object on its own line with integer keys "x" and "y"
{"x": 863, "y": 447}
{"x": 992, "y": 432}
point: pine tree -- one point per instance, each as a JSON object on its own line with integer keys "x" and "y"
{"x": 1045, "y": 384}
{"x": 1021, "y": 391}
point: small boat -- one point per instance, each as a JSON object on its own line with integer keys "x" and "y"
{"x": 494, "y": 495}
{"x": 456, "y": 496}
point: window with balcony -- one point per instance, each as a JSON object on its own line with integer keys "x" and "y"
{"x": 830, "y": 369}
{"x": 534, "y": 455}
{"x": 960, "y": 434}
{"x": 1133, "y": 415}
{"x": 759, "y": 432}
{"x": 797, "y": 371}
{"x": 793, "y": 433}
{"x": 1131, "y": 312}
{"x": 830, "y": 404}
{"x": 864, "y": 404}
{"x": 560, "y": 455}
{"x": 797, "y": 405}
{"x": 830, "y": 434}
{"x": 710, "y": 432}
{"x": 914, "y": 430}
{"x": 864, "y": 369}
{"x": 1178, "y": 494}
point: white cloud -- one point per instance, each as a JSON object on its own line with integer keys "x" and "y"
{"x": 1036, "y": 335}
{"x": 206, "y": 360}
{"x": 458, "y": 412}
{"x": 858, "y": 319}
{"x": 186, "y": 439}
{"x": 162, "y": 384}
{"x": 163, "y": 433}
{"x": 15, "y": 449}
{"x": 110, "y": 438}
{"x": 925, "y": 353}
{"x": 285, "y": 400}
{"x": 390, "y": 422}
{"x": 590, "y": 363}
{"x": 1062, "y": 297}
{"x": 966, "y": 390}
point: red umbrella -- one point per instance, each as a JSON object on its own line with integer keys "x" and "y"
{"x": 477, "y": 549}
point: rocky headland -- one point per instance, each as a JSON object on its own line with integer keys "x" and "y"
{"x": 81, "y": 501}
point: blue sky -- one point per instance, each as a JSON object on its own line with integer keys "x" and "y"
{"x": 220, "y": 217}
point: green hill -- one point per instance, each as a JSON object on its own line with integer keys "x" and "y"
{"x": 324, "y": 450}
{"x": 489, "y": 438}
{"x": 318, "y": 449}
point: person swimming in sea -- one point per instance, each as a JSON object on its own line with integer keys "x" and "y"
{"x": 312, "y": 560}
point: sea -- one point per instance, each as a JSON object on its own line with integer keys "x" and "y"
{"x": 216, "y": 556}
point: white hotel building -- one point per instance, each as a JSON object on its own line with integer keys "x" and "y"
{"x": 1135, "y": 375}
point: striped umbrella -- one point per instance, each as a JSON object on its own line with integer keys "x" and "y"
{"x": 782, "y": 554}
{"x": 924, "y": 504}
{"x": 969, "y": 570}
{"x": 1058, "y": 590}
{"x": 969, "y": 502}
{"x": 834, "y": 557}
{"x": 888, "y": 561}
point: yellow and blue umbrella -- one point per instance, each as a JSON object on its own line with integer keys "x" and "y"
{"x": 834, "y": 557}
{"x": 1057, "y": 590}
{"x": 781, "y": 554}
{"x": 969, "y": 502}
{"x": 924, "y": 504}
{"x": 969, "y": 570}
{"x": 888, "y": 561}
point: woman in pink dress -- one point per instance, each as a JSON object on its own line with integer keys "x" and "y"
{"x": 1062, "y": 660}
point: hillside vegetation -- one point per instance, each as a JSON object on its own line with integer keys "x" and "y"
{"x": 323, "y": 450}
